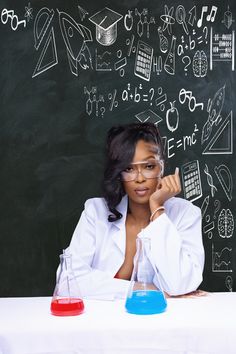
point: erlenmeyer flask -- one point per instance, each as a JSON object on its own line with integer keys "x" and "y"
{"x": 145, "y": 296}
{"x": 66, "y": 300}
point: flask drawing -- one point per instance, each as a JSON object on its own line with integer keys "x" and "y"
{"x": 66, "y": 300}
{"x": 144, "y": 296}
{"x": 169, "y": 65}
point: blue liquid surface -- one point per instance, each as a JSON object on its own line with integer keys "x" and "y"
{"x": 146, "y": 302}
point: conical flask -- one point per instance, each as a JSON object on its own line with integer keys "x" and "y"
{"x": 169, "y": 65}
{"x": 66, "y": 300}
{"x": 144, "y": 296}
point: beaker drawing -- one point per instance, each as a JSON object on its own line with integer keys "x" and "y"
{"x": 145, "y": 295}
{"x": 66, "y": 300}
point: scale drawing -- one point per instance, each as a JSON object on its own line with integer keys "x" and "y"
{"x": 225, "y": 178}
{"x": 191, "y": 180}
{"x": 222, "y": 140}
{"x": 106, "y": 25}
{"x": 221, "y": 260}
{"x": 226, "y": 223}
{"x": 143, "y": 61}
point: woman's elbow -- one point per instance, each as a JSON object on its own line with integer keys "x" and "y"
{"x": 185, "y": 284}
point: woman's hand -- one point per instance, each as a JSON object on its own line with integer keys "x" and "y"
{"x": 168, "y": 187}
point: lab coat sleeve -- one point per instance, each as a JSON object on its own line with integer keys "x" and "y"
{"x": 177, "y": 250}
{"x": 93, "y": 283}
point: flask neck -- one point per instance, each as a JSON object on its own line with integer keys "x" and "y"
{"x": 143, "y": 245}
{"x": 66, "y": 262}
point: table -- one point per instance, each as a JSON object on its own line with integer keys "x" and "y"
{"x": 189, "y": 326}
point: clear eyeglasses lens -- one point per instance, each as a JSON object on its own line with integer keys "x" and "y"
{"x": 149, "y": 169}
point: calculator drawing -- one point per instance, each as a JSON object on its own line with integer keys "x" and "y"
{"x": 191, "y": 180}
{"x": 143, "y": 61}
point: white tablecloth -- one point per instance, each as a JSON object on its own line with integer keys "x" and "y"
{"x": 190, "y": 325}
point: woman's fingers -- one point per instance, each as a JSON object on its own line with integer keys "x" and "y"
{"x": 172, "y": 184}
{"x": 177, "y": 179}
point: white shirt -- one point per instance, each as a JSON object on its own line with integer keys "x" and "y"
{"x": 98, "y": 248}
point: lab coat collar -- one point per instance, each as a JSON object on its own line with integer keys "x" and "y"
{"x": 118, "y": 231}
{"x": 122, "y": 208}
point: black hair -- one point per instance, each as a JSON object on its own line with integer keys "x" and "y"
{"x": 120, "y": 148}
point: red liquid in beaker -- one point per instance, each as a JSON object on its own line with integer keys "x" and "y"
{"x": 67, "y": 307}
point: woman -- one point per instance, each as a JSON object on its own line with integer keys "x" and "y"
{"x": 137, "y": 200}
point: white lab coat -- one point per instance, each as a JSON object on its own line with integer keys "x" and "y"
{"x": 98, "y": 248}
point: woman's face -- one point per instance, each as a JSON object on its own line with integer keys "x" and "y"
{"x": 141, "y": 188}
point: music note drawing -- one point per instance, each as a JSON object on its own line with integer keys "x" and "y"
{"x": 199, "y": 22}
{"x": 212, "y": 15}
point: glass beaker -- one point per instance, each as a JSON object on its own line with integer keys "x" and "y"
{"x": 144, "y": 296}
{"x": 66, "y": 300}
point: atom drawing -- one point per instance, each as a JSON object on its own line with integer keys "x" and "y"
{"x": 168, "y": 19}
{"x": 28, "y": 12}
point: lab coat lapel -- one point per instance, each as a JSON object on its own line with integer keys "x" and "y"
{"x": 118, "y": 227}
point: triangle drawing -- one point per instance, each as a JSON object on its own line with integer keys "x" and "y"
{"x": 48, "y": 57}
{"x": 222, "y": 140}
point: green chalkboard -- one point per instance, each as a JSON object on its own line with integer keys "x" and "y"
{"x": 71, "y": 70}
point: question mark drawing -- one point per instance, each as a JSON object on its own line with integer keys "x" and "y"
{"x": 217, "y": 205}
{"x": 229, "y": 283}
{"x": 187, "y": 61}
{"x": 205, "y": 32}
{"x": 151, "y": 91}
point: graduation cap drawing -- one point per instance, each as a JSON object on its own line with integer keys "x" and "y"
{"x": 106, "y": 25}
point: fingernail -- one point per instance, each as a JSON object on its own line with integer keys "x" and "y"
{"x": 176, "y": 170}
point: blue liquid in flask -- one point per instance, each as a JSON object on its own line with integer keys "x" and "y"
{"x": 146, "y": 302}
